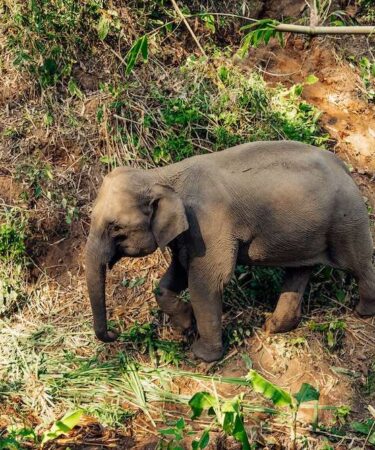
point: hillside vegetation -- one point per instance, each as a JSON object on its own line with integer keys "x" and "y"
{"x": 89, "y": 85}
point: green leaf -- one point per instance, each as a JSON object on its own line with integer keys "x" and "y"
{"x": 180, "y": 424}
{"x": 73, "y": 89}
{"x": 63, "y": 426}
{"x": 209, "y": 21}
{"x": 311, "y": 79}
{"x": 247, "y": 360}
{"x": 103, "y": 28}
{"x": 140, "y": 47}
{"x": 278, "y": 396}
{"x": 201, "y": 401}
{"x": 306, "y": 393}
{"x": 203, "y": 441}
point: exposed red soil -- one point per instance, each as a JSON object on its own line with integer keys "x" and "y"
{"x": 346, "y": 114}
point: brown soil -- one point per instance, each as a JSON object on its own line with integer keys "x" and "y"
{"x": 346, "y": 114}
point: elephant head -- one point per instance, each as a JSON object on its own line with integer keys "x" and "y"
{"x": 132, "y": 216}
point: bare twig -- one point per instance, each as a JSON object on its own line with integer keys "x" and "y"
{"x": 180, "y": 13}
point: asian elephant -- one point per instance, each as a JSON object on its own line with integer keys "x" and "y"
{"x": 264, "y": 203}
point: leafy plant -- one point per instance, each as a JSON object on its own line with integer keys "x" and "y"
{"x": 333, "y": 332}
{"x": 367, "y": 69}
{"x": 34, "y": 177}
{"x": 16, "y": 438}
{"x": 176, "y": 434}
{"x": 261, "y": 31}
{"x": 143, "y": 338}
{"x": 44, "y": 37}
{"x": 63, "y": 426}
{"x": 13, "y": 259}
{"x": 228, "y": 414}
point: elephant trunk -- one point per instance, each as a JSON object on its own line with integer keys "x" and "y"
{"x": 95, "y": 277}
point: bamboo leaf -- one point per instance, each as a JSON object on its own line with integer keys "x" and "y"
{"x": 140, "y": 47}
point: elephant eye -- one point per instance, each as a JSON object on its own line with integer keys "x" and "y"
{"x": 116, "y": 228}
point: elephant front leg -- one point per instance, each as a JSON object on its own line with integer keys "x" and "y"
{"x": 287, "y": 314}
{"x": 206, "y": 284}
{"x": 173, "y": 282}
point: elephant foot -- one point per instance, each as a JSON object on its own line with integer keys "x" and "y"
{"x": 206, "y": 352}
{"x": 107, "y": 336}
{"x": 365, "y": 308}
{"x": 275, "y": 324}
{"x": 183, "y": 319}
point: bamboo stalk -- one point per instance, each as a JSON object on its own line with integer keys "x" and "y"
{"x": 302, "y": 29}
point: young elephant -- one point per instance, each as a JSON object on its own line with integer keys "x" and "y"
{"x": 264, "y": 203}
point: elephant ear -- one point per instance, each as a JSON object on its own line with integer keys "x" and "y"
{"x": 169, "y": 218}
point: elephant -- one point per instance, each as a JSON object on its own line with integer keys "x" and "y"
{"x": 273, "y": 203}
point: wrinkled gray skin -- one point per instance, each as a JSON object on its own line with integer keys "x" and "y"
{"x": 265, "y": 203}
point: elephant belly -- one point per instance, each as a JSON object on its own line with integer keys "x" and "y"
{"x": 286, "y": 254}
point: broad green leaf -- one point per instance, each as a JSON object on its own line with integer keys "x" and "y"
{"x": 63, "y": 426}
{"x": 203, "y": 441}
{"x": 306, "y": 393}
{"x": 239, "y": 433}
{"x": 311, "y": 79}
{"x": 140, "y": 47}
{"x": 366, "y": 428}
{"x": 278, "y": 396}
{"x": 201, "y": 401}
{"x": 233, "y": 421}
{"x": 103, "y": 28}
{"x": 362, "y": 427}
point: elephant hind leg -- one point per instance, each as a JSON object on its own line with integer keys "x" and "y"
{"x": 287, "y": 314}
{"x": 366, "y": 283}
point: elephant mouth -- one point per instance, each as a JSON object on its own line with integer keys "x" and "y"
{"x": 139, "y": 252}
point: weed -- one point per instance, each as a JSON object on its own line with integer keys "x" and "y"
{"x": 367, "y": 70}
{"x": 333, "y": 332}
{"x": 13, "y": 260}
{"x": 18, "y": 438}
{"x": 228, "y": 414}
{"x": 237, "y": 333}
{"x": 342, "y": 413}
{"x": 173, "y": 436}
{"x": 34, "y": 177}
{"x": 143, "y": 338}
